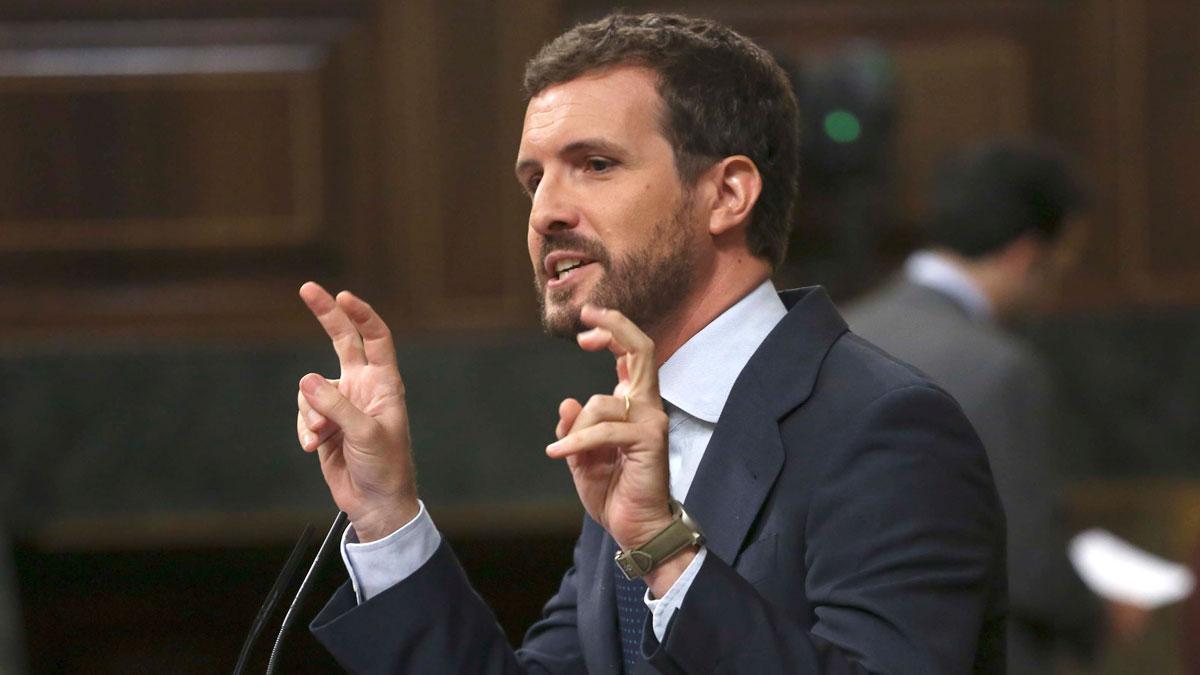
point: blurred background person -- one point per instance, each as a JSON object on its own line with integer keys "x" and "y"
{"x": 1005, "y": 224}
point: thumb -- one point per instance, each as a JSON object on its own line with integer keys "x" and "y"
{"x": 327, "y": 400}
{"x": 568, "y": 411}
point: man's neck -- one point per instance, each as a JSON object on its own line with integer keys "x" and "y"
{"x": 711, "y": 295}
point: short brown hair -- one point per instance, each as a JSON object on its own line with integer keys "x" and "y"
{"x": 723, "y": 96}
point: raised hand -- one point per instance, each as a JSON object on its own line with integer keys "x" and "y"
{"x": 618, "y": 454}
{"x": 358, "y": 423}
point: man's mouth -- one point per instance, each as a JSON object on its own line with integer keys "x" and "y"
{"x": 565, "y": 267}
{"x": 561, "y": 266}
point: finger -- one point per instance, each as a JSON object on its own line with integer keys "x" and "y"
{"x": 567, "y": 412}
{"x": 597, "y": 339}
{"x": 314, "y": 420}
{"x": 308, "y": 440}
{"x": 599, "y": 409}
{"x": 603, "y": 435}
{"x": 317, "y": 423}
{"x": 312, "y": 440}
{"x": 327, "y": 400}
{"x": 376, "y": 337}
{"x": 635, "y": 350}
{"x": 338, "y": 326}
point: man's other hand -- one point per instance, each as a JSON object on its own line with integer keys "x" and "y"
{"x": 358, "y": 423}
{"x": 618, "y": 453}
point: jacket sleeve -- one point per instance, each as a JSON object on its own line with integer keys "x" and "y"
{"x": 904, "y": 555}
{"x": 435, "y": 622}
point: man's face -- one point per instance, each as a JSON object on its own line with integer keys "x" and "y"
{"x": 610, "y": 222}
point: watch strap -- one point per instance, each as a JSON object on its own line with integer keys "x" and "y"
{"x": 681, "y": 533}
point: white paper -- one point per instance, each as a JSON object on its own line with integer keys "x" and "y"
{"x": 1116, "y": 570}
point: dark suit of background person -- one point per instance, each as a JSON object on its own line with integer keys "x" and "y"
{"x": 940, "y": 318}
{"x": 852, "y": 524}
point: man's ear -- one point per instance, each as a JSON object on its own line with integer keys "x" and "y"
{"x": 738, "y": 185}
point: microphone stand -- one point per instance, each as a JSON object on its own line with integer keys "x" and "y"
{"x": 285, "y": 578}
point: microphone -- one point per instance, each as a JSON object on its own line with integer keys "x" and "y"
{"x": 285, "y": 578}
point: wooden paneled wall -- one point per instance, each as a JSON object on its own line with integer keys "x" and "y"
{"x": 178, "y": 169}
{"x": 172, "y": 175}
{"x": 1113, "y": 81}
{"x": 1156, "y": 96}
{"x": 174, "y": 171}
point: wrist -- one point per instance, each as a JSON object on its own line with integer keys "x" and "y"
{"x": 645, "y": 531}
{"x": 662, "y": 578}
{"x": 677, "y": 539}
{"x": 380, "y": 523}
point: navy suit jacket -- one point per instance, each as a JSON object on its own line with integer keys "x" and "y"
{"x": 851, "y": 521}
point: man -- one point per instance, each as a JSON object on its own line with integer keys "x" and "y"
{"x": 849, "y": 519}
{"x": 1003, "y": 227}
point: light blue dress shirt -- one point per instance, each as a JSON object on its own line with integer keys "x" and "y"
{"x": 935, "y": 271}
{"x": 695, "y": 383}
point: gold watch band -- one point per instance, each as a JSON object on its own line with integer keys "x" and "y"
{"x": 680, "y": 534}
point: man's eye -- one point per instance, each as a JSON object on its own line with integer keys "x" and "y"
{"x": 598, "y": 164}
{"x": 532, "y": 184}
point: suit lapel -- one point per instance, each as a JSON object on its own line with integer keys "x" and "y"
{"x": 738, "y": 470}
{"x": 746, "y": 453}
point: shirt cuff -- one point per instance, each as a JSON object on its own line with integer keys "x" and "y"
{"x": 662, "y": 609}
{"x": 376, "y": 566}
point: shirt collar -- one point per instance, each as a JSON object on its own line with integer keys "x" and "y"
{"x": 933, "y": 271}
{"x": 698, "y": 377}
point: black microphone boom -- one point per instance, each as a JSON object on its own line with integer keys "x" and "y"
{"x": 334, "y": 533}
{"x": 281, "y": 583}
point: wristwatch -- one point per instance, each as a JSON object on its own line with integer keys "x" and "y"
{"x": 680, "y": 534}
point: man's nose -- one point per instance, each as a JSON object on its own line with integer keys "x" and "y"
{"x": 553, "y": 207}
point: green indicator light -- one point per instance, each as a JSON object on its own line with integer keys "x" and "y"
{"x": 842, "y": 126}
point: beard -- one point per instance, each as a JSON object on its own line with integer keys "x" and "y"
{"x": 646, "y": 285}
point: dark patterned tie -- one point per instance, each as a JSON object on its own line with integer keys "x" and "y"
{"x": 631, "y": 614}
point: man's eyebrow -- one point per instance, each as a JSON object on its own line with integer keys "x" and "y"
{"x": 589, "y": 145}
{"x": 583, "y": 146}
